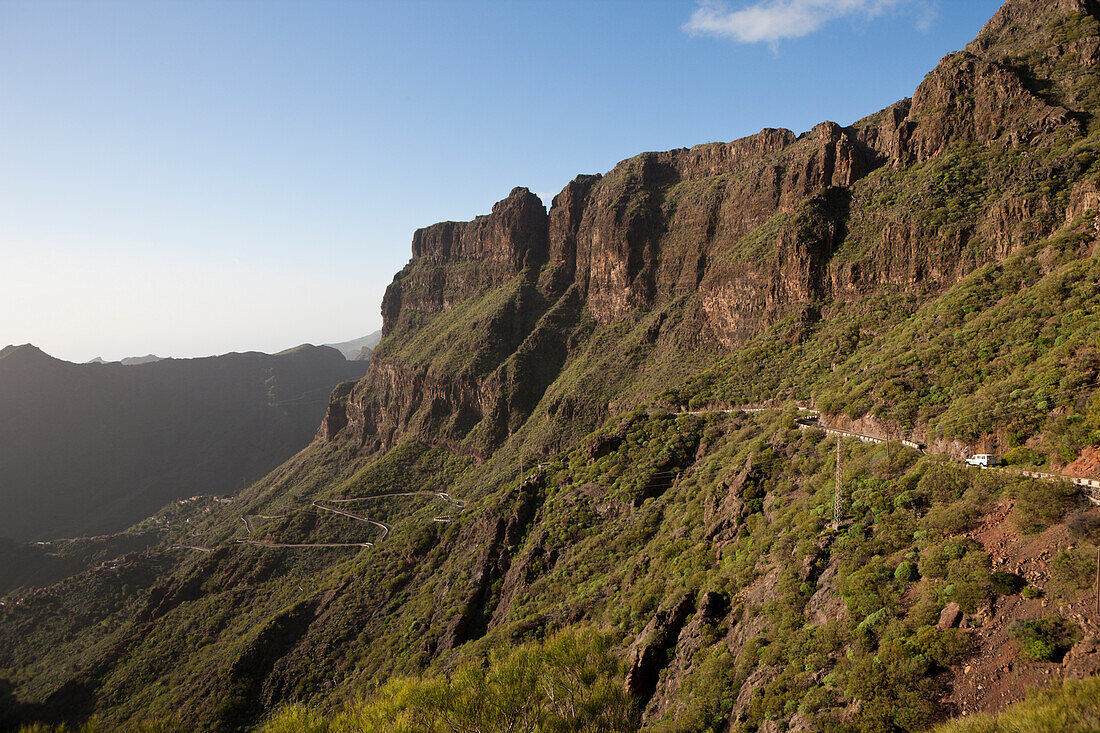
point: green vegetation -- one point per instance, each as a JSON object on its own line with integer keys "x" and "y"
{"x": 615, "y": 546}
{"x": 906, "y": 572}
{"x": 1011, "y": 348}
{"x": 1045, "y": 640}
{"x": 570, "y": 682}
{"x": 1006, "y": 584}
{"x": 1043, "y": 503}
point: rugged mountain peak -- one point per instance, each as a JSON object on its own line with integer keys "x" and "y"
{"x": 453, "y": 260}
{"x": 514, "y": 234}
{"x": 642, "y": 236}
{"x": 16, "y": 348}
{"x": 566, "y": 212}
{"x": 1031, "y": 23}
{"x": 1029, "y": 78}
{"x": 969, "y": 99}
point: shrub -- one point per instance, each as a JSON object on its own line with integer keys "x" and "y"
{"x": 1047, "y": 639}
{"x": 868, "y": 589}
{"x": 1005, "y": 583}
{"x": 571, "y": 682}
{"x": 1024, "y": 456}
{"x": 1039, "y": 649}
{"x": 1040, "y": 504}
{"x": 907, "y": 572}
{"x": 936, "y": 558}
{"x": 1085, "y": 526}
{"x": 296, "y": 719}
{"x": 951, "y": 519}
{"x": 1072, "y": 570}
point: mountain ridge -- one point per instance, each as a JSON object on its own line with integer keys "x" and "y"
{"x": 606, "y": 238}
{"x": 117, "y": 438}
{"x": 360, "y": 348}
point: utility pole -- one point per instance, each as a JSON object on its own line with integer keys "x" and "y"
{"x": 1098, "y": 581}
{"x": 836, "y": 490}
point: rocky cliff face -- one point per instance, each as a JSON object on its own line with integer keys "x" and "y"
{"x": 657, "y": 225}
{"x": 969, "y": 98}
{"x": 740, "y": 235}
{"x": 454, "y": 260}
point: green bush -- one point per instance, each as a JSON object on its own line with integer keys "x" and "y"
{"x": 1021, "y": 456}
{"x": 571, "y": 682}
{"x": 297, "y": 719}
{"x": 907, "y": 572}
{"x": 1047, "y": 639}
{"x": 1006, "y": 584}
{"x": 1073, "y": 570}
{"x": 1040, "y": 504}
{"x": 1039, "y": 649}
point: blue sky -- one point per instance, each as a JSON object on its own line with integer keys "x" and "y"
{"x": 190, "y": 178}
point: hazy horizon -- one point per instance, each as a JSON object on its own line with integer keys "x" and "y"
{"x": 190, "y": 356}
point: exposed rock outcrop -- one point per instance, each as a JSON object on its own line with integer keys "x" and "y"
{"x": 648, "y": 655}
{"x": 497, "y": 542}
{"x": 454, "y": 260}
{"x": 970, "y": 99}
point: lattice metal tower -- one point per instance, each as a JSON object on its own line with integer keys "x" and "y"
{"x": 837, "y": 488}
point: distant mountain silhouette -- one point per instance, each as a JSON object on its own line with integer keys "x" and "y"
{"x": 129, "y": 360}
{"x": 360, "y": 348}
{"x": 92, "y": 448}
{"x": 136, "y": 360}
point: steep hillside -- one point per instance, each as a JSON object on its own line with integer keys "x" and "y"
{"x": 545, "y": 474}
{"x": 90, "y": 449}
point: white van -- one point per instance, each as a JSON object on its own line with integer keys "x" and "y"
{"x": 984, "y": 460}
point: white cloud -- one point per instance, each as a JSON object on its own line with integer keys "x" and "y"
{"x": 927, "y": 13}
{"x": 774, "y": 20}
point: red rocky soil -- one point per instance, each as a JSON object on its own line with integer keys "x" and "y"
{"x": 1087, "y": 464}
{"x": 998, "y": 674}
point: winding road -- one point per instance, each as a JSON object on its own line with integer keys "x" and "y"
{"x": 267, "y": 543}
{"x": 803, "y": 423}
{"x": 1091, "y": 486}
{"x": 248, "y": 524}
{"x": 191, "y": 547}
{"x": 385, "y": 529}
{"x": 445, "y": 496}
